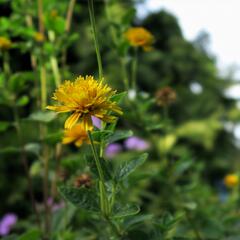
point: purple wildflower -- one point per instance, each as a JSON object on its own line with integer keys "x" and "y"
{"x": 6, "y": 223}
{"x": 96, "y": 122}
{"x": 113, "y": 149}
{"x": 136, "y": 143}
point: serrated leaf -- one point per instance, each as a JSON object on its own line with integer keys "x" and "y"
{"x": 128, "y": 167}
{"x": 124, "y": 211}
{"x": 81, "y": 197}
{"x": 44, "y": 117}
{"x": 119, "y": 135}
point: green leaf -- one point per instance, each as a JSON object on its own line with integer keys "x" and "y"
{"x": 81, "y": 197}
{"x": 44, "y": 117}
{"x": 128, "y": 167}
{"x": 124, "y": 211}
{"x": 118, "y": 97}
{"x": 9, "y": 150}
{"x": 22, "y": 101}
{"x": 62, "y": 217}
{"x": 33, "y": 234}
{"x": 119, "y": 135}
{"x": 134, "y": 220}
{"x": 4, "y": 126}
{"x": 54, "y": 138}
{"x": 106, "y": 167}
{"x": 99, "y": 135}
{"x": 33, "y": 148}
{"x": 155, "y": 127}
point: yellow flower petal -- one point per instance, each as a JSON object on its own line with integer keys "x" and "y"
{"x": 87, "y": 123}
{"x": 70, "y": 122}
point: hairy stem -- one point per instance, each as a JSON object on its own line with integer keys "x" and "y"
{"x": 104, "y": 205}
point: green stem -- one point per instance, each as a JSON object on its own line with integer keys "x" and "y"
{"x": 134, "y": 69}
{"x": 124, "y": 73}
{"x": 25, "y": 165}
{"x": 103, "y": 195}
{"x": 6, "y": 65}
{"x": 96, "y": 44}
{"x": 43, "y": 82}
{"x": 54, "y": 62}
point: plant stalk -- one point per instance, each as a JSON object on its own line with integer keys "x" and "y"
{"x": 102, "y": 189}
{"x": 95, "y": 38}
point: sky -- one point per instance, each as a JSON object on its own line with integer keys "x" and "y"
{"x": 220, "y": 18}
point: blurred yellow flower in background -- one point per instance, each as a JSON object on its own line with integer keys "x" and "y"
{"x": 85, "y": 97}
{"x": 231, "y": 180}
{"x": 140, "y": 37}
{"x": 39, "y": 37}
{"x": 5, "y": 43}
{"x": 77, "y": 135}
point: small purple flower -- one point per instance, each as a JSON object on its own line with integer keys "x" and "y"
{"x": 113, "y": 149}
{"x": 136, "y": 143}
{"x": 6, "y": 223}
{"x": 96, "y": 122}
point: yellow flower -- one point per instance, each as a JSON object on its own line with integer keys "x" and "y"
{"x": 77, "y": 135}
{"x": 85, "y": 97}
{"x": 140, "y": 37}
{"x": 54, "y": 13}
{"x": 5, "y": 43}
{"x": 39, "y": 37}
{"x": 231, "y": 180}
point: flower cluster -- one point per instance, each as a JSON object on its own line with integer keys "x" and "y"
{"x": 140, "y": 37}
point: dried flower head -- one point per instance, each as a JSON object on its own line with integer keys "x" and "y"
{"x": 77, "y": 135}
{"x": 231, "y": 180}
{"x": 84, "y": 98}
{"x": 140, "y": 37}
{"x": 5, "y": 43}
{"x": 83, "y": 180}
{"x": 165, "y": 96}
{"x": 39, "y": 37}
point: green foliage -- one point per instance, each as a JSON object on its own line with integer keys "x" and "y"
{"x": 178, "y": 193}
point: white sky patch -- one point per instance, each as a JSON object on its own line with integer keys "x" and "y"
{"x": 220, "y": 18}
